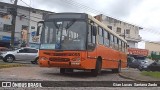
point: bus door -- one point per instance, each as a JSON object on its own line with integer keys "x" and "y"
{"x": 91, "y": 44}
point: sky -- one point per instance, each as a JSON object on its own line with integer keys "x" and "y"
{"x": 143, "y": 13}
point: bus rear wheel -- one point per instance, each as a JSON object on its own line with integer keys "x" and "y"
{"x": 97, "y": 69}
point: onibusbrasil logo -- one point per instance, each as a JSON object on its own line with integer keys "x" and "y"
{"x": 21, "y": 84}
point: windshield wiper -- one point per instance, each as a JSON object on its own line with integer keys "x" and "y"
{"x": 70, "y": 24}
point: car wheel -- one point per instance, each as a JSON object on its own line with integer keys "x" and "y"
{"x": 9, "y": 58}
{"x": 4, "y": 60}
{"x": 35, "y": 61}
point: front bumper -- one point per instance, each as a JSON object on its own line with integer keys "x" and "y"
{"x": 47, "y": 63}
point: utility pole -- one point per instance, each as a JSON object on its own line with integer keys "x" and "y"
{"x": 14, "y": 14}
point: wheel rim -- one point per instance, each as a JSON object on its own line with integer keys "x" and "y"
{"x": 9, "y": 59}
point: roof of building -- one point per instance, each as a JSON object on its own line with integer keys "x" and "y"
{"x": 24, "y": 7}
{"x": 120, "y": 20}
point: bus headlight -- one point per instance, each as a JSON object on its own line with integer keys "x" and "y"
{"x": 76, "y": 59}
{"x": 43, "y": 58}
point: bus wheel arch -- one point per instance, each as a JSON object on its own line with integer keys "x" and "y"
{"x": 98, "y": 66}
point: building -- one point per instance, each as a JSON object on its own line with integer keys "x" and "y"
{"x": 26, "y": 24}
{"x": 128, "y": 31}
{"x": 153, "y": 47}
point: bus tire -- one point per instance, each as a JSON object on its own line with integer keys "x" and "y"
{"x": 62, "y": 70}
{"x": 69, "y": 70}
{"x": 117, "y": 70}
{"x": 98, "y": 68}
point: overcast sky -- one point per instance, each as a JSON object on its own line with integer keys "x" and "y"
{"x": 144, "y": 13}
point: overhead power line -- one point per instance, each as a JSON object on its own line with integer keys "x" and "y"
{"x": 25, "y": 3}
{"x": 86, "y": 8}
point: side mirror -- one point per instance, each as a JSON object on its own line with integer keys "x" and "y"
{"x": 94, "y": 29}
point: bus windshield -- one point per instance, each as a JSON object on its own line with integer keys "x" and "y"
{"x": 64, "y": 35}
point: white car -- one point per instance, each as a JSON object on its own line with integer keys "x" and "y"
{"x": 25, "y": 53}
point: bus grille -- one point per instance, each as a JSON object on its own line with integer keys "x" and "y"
{"x": 59, "y": 59}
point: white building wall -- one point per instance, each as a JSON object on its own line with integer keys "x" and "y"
{"x": 34, "y": 18}
{"x": 133, "y": 38}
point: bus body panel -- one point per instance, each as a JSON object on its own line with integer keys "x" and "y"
{"x": 84, "y": 59}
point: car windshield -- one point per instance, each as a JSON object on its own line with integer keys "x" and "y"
{"x": 147, "y": 61}
{"x": 64, "y": 35}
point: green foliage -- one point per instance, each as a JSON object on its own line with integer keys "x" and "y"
{"x": 151, "y": 74}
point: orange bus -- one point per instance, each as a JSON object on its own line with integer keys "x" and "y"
{"x": 79, "y": 41}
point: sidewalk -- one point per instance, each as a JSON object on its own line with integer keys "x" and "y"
{"x": 135, "y": 74}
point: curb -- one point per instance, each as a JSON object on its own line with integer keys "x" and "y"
{"x": 11, "y": 65}
{"x": 131, "y": 78}
{"x": 126, "y": 77}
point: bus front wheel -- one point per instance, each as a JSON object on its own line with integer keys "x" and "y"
{"x": 62, "y": 70}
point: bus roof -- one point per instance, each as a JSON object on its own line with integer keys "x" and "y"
{"x": 106, "y": 28}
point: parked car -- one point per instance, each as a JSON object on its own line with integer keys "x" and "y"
{"x": 2, "y": 49}
{"x": 155, "y": 66}
{"x": 144, "y": 65}
{"x": 20, "y": 54}
{"x": 130, "y": 60}
{"x": 135, "y": 62}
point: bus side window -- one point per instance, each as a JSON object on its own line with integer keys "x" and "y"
{"x": 120, "y": 47}
{"x": 100, "y": 36}
{"x": 106, "y": 38}
{"x": 91, "y": 38}
{"x": 116, "y": 44}
{"x": 111, "y": 41}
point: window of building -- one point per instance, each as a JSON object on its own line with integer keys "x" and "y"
{"x": 127, "y": 31}
{"x": 7, "y": 28}
{"x": 1, "y": 7}
{"x": 33, "y": 11}
{"x": 118, "y": 30}
{"x": 110, "y": 27}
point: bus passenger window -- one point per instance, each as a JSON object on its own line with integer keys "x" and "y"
{"x": 120, "y": 47}
{"x": 100, "y": 39}
{"x": 91, "y": 39}
{"x": 116, "y": 44}
{"x": 106, "y": 38}
{"x": 111, "y": 41}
